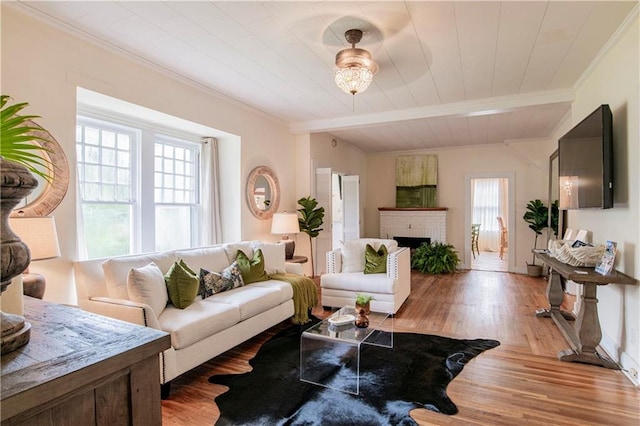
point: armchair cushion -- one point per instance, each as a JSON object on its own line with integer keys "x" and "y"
{"x": 358, "y": 282}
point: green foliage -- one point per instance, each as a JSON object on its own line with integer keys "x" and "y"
{"x": 16, "y": 139}
{"x": 311, "y": 218}
{"x": 435, "y": 258}
{"x": 537, "y": 216}
{"x": 362, "y": 299}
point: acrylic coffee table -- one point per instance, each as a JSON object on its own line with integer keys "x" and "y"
{"x": 330, "y": 354}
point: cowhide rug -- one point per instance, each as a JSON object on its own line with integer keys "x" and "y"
{"x": 413, "y": 374}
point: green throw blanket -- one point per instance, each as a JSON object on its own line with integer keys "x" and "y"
{"x": 305, "y": 295}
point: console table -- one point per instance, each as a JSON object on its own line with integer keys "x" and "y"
{"x": 586, "y": 333}
{"x": 82, "y": 369}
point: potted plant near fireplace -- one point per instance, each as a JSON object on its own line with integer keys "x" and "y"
{"x": 536, "y": 216}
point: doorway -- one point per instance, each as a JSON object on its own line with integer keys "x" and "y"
{"x": 489, "y": 205}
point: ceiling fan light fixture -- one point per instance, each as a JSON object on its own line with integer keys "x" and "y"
{"x": 356, "y": 67}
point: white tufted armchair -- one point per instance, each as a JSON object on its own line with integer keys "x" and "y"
{"x": 345, "y": 277}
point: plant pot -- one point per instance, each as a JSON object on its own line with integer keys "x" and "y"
{"x": 365, "y": 306}
{"x": 534, "y": 270}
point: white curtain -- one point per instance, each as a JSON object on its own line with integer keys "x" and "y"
{"x": 489, "y": 201}
{"x": 211, "y": 230}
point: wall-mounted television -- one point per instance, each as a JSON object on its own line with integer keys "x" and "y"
{"x": 585, "y": 162}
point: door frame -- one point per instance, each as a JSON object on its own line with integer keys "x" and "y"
{"x": 511, "y": 194}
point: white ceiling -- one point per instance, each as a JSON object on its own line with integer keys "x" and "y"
{"x": 451, "y": 73}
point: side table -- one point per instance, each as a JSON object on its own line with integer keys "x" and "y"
{"x": 298, "y": 259}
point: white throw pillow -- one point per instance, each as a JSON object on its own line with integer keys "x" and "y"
{"x": 274, "y": 257}
{"x": 232, "y": 249}
{"x": 117, "y": 269}
{"x": 146, "y": 285}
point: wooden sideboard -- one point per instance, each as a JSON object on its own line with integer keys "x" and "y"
{"x": 82, "y": 369}
{"x": 584, "y": 337}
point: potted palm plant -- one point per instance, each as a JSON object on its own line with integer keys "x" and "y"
{"x": 310, "y": 220}
{"x": 536, "y": 216}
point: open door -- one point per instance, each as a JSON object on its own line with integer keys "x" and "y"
{"x": 331, "y": 186}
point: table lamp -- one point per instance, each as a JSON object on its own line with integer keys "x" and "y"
{"x": 285, "y": 224}
{"x": 39, "y": 234}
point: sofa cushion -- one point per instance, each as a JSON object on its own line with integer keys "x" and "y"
{"x": 217, "y": 282}
{"x": 375, "y": 261}
{"x": 274, "y": 257}
{"x": 209, "y": 258}
{"x": 146, "y": 285}
{"x": 359, "y": 283}
{"x": 200, "y": 320}
{"x": 232, "y": 250}
{"x": 182, "y": 284}
{"x": 117, "y": 269}
{"x": 252, "y": 299}
{"x": 353, "y": 252}
{"x": 252, "y": 269}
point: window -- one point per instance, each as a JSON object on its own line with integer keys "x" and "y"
{"x": 138, "y": 190}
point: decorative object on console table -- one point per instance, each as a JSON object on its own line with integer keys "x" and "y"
{"x": 39, "y": 234}
{"x": 286, "y": 224}
{"x": 19, "y": 156}
{"x": 605, "y": 266}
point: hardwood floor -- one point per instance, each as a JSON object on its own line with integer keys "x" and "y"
{"x": 520, "y": 382}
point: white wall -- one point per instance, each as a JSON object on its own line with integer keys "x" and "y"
{"x": 317, "y": 151}
{"x": 615, "y": 80}
{"x": 43, "y": 66}
{"x": 529, "y": 161}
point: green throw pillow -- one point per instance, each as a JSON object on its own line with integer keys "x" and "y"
{"x": 182, "y": 285}
{"x": 375, "y": 262}
{"x": 252, "y": 269}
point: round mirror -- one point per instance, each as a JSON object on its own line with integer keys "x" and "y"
{"x": 48, "y": 195}
{"x": 263, "y": 192}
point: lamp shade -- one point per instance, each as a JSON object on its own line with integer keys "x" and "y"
{"x": 39, "y": 234}
{"x": 285, "y": 223}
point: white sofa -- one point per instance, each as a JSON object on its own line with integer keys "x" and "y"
{"x": 208, "y": 326}
{"x": 345, "y": 276}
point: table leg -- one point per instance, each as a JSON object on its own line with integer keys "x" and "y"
{"x": 588, "y": 332}
{"x": 555, "y": 295}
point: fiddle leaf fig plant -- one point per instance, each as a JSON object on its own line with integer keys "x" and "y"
{"x": 17, "y": 139}
{"x": 537, "y": 216}
{"x": 310, "y": 220}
